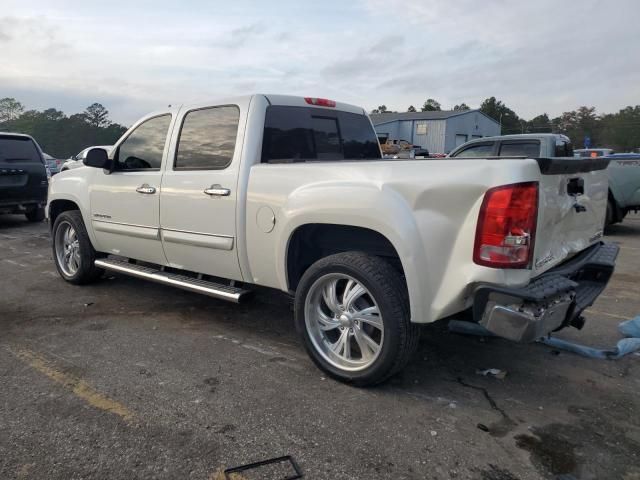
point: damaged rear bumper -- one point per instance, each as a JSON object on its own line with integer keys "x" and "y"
{"x": 551, "y": 301}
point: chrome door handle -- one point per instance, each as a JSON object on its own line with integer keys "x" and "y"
{"x": 146, "y": 188}
{"x": 217, "y": 190}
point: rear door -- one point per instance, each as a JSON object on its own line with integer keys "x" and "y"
{"x": 199, "y": 190}
{"x": 573, "y": 203}
{"x": 23, "y": 177}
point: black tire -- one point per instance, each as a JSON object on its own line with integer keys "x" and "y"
{"x": 87, "y": 272}
{"x": 388, "y": 288}
{"x": 610, "y": 216}
{"x": 35, "y": 215}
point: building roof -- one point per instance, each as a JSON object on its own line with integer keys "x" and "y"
{"x": 380, "y": 118}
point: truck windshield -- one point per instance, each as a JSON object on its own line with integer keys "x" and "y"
{"x": 18, "y": 148}
{"x": 300, "y": 134}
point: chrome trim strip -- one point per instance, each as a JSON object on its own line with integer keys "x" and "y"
{"x": 139, "y": 231}
{"x": 222, "y": 292}
{"x": 196, "y": 233}
{"x": 219, "y": 242}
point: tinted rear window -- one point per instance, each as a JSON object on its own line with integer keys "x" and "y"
{"x": 529, "y": 149}
{"x": 18, "y": 149}
{"x": 299, "y": 134}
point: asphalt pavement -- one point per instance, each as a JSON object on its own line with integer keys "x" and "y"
{"x": 125, "y": 379}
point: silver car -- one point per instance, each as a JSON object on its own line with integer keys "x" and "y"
{"x": 76, "y": 160}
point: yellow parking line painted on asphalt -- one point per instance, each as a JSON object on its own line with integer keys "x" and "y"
{"x": 79, "y": 387}
{"x": 219, "y": 475}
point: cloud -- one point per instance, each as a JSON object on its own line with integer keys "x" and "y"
{"x": 535, "y": 56}
{"x": 366, "y": 59}
{"x": 32, "y": 34}
{"x": 238, "y": 37}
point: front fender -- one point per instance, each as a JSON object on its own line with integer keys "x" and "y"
{"x": 72, "y": 185}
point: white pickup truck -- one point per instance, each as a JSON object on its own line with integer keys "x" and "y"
{"x": 292, "y": 193}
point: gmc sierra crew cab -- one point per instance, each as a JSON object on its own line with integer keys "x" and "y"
{"x": 292, "y": 193}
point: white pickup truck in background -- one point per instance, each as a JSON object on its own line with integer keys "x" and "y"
{"x": 292, "y": 193}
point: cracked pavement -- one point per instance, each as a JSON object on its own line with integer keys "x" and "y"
{"x": 127, "y": 379}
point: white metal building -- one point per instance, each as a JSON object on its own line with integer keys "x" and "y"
{"x": 438, "y": 132}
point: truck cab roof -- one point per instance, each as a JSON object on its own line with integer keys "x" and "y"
{"x": 523, "y": 136}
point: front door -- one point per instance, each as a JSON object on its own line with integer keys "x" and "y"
{"x": 199, "y": 192}
{"x": 125, "y": 203}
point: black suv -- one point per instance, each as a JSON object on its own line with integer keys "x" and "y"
{"x": 23, "y": 176}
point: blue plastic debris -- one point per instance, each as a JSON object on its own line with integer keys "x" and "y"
{"x": 628, "y": 328}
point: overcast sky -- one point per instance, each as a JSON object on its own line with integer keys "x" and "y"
{"x": 136, "y": 56}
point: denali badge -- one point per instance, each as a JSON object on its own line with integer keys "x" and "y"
{"x": 100, "y": 215}
{"x": 544, "y": 261}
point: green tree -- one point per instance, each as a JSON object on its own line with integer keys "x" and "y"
{"x": 97, "y": 116}
{"x": 62, "y": 136}
{"x": 509, "y": 121}
{"x": 10, "y": 109}
{"x": 380, "y": 109}
{"x": 462, "y": 106}
{"x": 411, "y": 108}
{"x": 540, "y": 124}
{"x": 579, "y": 124}
{"x": 431, "y": 105}
{"x": 621, "y": 130}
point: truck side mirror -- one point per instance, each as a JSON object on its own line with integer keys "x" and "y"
{"x": 97, "y": 158}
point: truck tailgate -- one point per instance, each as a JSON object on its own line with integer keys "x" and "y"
{"x": 573, "y": 202}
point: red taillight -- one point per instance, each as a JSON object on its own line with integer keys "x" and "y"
{"x": 507, "y": 226}
{"x": 320, "y": 102}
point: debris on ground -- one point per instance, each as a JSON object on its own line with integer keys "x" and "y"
{"x": 492, "y": 372}
{"x": 279, "y": 467}
{"x": 629, "y": 328}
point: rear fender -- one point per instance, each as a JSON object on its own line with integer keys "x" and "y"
{"x": 385, "y": 212}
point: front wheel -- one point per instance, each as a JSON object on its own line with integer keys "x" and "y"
{"x": 352, "y": 312}
{"x": 72, "y": 250}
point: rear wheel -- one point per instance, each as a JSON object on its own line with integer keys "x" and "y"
{"x": 352, "y": 312}
{"x": 35, "y": 215}
{"x": 72, "y": 250}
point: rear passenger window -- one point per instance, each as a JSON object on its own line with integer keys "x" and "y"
{"x": 207, "y": 139}
{"x": 529, "y": 149}
{"x": 473, "y": 151}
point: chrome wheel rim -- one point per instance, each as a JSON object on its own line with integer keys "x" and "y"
{"x": 67, "y": 247}
{"x": 344, "y": 322}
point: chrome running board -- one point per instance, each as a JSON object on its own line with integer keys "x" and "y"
{"x": 212, "y": 289}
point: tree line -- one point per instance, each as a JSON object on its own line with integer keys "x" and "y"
{"x": 620, "y": 131}
{"x": 57, "y": 134}
{"x": 62, "y": 136}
